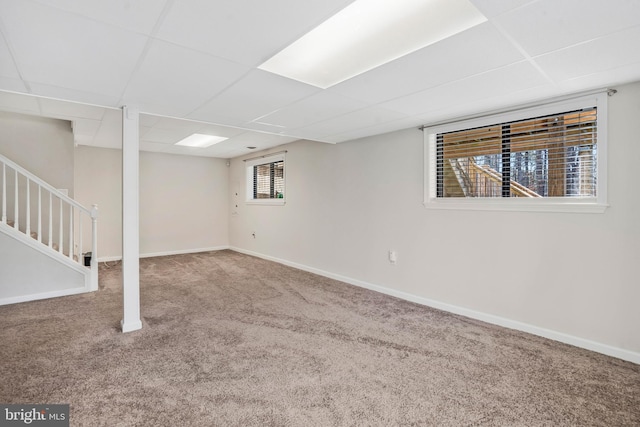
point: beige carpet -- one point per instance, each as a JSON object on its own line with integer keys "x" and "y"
{"x": 232, "y": 340}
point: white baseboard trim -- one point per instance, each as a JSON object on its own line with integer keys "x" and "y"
{"x": 43, "y": 295}
{"x": 597, "y": 347}
{"x": 166, "y": 253}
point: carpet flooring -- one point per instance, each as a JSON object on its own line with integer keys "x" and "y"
{"x": 233, "y": 340}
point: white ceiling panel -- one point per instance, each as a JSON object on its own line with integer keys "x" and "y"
{"x": 548, "y": 25}
{"x": 7, "y": 65}
{"x": 255, "y": 95}
{"x": 139, "y": 16}
{"x": 192, "y": 66}
{"x": 592, "y": 57}
{"x": 174, "y": 81}
{"x": 313, "y": 109}
{"x": 354, "y": 120}
{"x": 482, "y": 86}
{"x": 64, "y": 50}
{"x": 403, "y": 123}
{"x": 249, "y": 31}
{"x": 478, "y": 49}
{"x": 165, "y": 136}
{"x": 13, "y": 85}
{"x": 492, "y": 8}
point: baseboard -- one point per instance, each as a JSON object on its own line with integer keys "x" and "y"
{"x": 43, "y": 295}
{"x": 166, "y": 253}
{"x": 597, "y": 347}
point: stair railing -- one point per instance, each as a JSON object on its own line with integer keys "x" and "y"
{"x": 57, "y": 215}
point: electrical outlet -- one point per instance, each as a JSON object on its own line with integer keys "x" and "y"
{"x": 393, "y": 257}
{"x": 254, "y": 234}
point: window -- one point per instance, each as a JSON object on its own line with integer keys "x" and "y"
{"x": 265, "y": 180}
{"x": 548, "y": 158}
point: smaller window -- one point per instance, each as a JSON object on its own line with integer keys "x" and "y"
{"x": 265, "y": 180}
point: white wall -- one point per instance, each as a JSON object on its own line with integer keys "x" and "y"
{"x": 40, "y": 145}
{"x": 27, "y": 272}
{"x": 349, "y": 204}
{"x": 183, "y": 200}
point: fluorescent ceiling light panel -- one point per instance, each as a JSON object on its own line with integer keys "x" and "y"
{"x": 369, "y": 33}
{"x": 200, "y": 141}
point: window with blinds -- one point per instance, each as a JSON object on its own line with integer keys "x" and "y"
{"x": 535, "y": 154}
{"x": 550, "y": 156}
{"x": 266, "y": 179}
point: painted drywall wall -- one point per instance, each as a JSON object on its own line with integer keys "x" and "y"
{"x": 347, "y": 205}
{"x": 40, "y": 145}
{"x": 183, "y": 200}
{"x": 27, "y": 272}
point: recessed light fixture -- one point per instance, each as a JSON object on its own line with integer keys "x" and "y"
{"x": 200, "y": 141}
{"x": 369, "y": 33}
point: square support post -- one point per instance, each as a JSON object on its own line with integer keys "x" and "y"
{"x": 130, "y": 220}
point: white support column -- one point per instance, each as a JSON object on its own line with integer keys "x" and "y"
{"x": 130, "y": 220}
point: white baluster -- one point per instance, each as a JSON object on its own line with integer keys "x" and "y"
{"x": 94, "y": 248}
{"x": 16, "y": 211}
{"x": 39, "y": 213}
{"x": 80, "y": 237}
{"x": 4, "y": 193}
{"x": 50, "y": 220}
{"x": 71, "y": 231}
{"x": 28, "y": 210}
{"x": 60, "y": 234}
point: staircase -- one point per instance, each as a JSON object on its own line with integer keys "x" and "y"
{"x": 46, "y": 238}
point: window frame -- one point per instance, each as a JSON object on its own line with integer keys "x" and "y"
{"x": 265, "y": 160}
{"x": 596, "y": 204}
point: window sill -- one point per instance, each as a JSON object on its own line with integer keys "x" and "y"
{"x": 549, "y": 205}
{"x": 266, "y": 202}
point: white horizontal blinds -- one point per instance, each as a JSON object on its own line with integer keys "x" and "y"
{"x": 268, "y": 180}
{"x": 549, "y": 156}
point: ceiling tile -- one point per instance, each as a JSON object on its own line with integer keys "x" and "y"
{"x": 56, "y": 48}
{"x": 139, "y": 16}
{"x": 354, "y": 120}
{"x": 592, "y": 57}
{"x": 605, "y": 79}
{"x": 174, "y": 81}
{"x": 255, "y": 95}
{"x": 476, "y": 88}
{"x": 13, "y": 85}
{"x": 491, "y": 8}
{"x": 7, "y": 66}
{"x": 248, "y": 32}
{"x": 403, "y": 123}
{"x": 313, "y": 109}
{"x": 476, "y": 50}
{"x": 548, "y": 25}
{"x": 165, "y": 136}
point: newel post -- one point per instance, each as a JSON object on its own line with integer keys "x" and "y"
{"x": 94, "y": 247}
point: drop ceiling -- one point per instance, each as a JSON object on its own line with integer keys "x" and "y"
{"x": 191, "y": 66}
